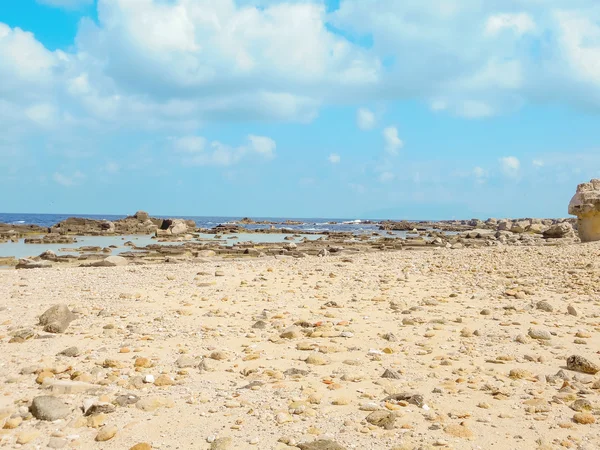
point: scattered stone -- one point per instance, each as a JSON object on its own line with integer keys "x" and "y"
{"x": 322, "y": 444}
{"x": 106, "y": 433}
{"x": 57, "y": 319}
{"x": 580, "y": 364}
{"x": 49, "y": 408}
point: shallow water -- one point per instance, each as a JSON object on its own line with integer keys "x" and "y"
{"x": 21, "y": 250}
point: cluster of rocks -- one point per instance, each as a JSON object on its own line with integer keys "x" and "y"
{"x": 546, "y": 227}
{"x": 139, "y": 223}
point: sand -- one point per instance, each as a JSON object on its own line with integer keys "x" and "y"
{"x": 272, "y": 353}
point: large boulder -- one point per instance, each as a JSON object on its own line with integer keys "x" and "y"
{"x": 57, "y": 319}
{"x": 585, "y": 204}
{"x": 559, "y": 230}
{"x": 142, "y": 216}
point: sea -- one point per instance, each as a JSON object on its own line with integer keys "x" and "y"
{"x": 314, "y": 224}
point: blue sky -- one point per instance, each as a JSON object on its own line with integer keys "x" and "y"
{"x": 418, "y": 109}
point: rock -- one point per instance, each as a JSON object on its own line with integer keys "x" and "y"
{"x": 544, "y": 306}
{"x": 141, "y": 446}
{"x": 584, "y": 418}
{"x": 25, "y": 437}
{"x": 541, "y": 335}
{"x": 292, "y": 332}
{"x": 71, "y": 352}
{"x": 142, "y": 216}
{"x": 57, "y": 319}
{"x": 383, "y": 419}
{"x": 106, "y": 433}
{"x": 571, "y": 310}
{"x": 413, "y": 399}
{"x": 317, "y": 359}
{"x": 126, "y": 400}
{"x": 460, "y": 431}
{"x": 150, "y": 404}
{"x": 223, "y": 443}
{"x": 185, "y": 361}
{"x": 390, "y": 374}
{"x": 48, "y": 255}
{"x": 520, "y": 226}
{"x": 585, "y": 204}
{"x": 110, "y": 261}
{"x": 322, "y": 444}
{"x": 32, "y": 264}
{"x": 559, "y": 230}
{"x": 98, "y": 408}
{"x": 49, "y": 408}
{"x": 56, "y": 442}
{"x": 580, "y": 364}
{"x": 178, "y": 227}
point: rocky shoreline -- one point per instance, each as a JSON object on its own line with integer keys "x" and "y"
{"x": 190, "y": 244}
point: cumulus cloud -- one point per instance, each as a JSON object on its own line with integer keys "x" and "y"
{"x": 197, "y": 151}
{"x": 365, "y": 119}
{"x": 392, "y": 142}
{"x": 264, "y": 146}
{"x": 510, "y": 166}
{"x": 334, "y": 158}
{"x": 520, "y": 23}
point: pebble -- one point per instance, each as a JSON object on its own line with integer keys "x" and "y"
{"x": 106, "y": 433}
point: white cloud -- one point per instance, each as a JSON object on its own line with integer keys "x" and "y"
{"x": 196, "y": 151}
{"x": 510, "y": 166}
{"x": 365, "y": 119}
{"x": 42, "y": 114}
{"x": 68, "y": 180}
{"x": 520, "y": 23}
{"x": 262, "y": 145}
{"x": 190, "y": 144}
{"x": 334, "y": 158}
{"x": 538, "y": 163}
{"x": 392, "y": 142}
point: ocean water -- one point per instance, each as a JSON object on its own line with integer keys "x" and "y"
{"x": 313, "y": 224}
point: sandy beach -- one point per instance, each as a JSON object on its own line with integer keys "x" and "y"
{"x": 442, "y": 348}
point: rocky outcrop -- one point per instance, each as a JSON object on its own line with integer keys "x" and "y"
{"x": 139, "y": 223}
{"x": 585, "y": 204}
{"x": 559, "y": 230}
